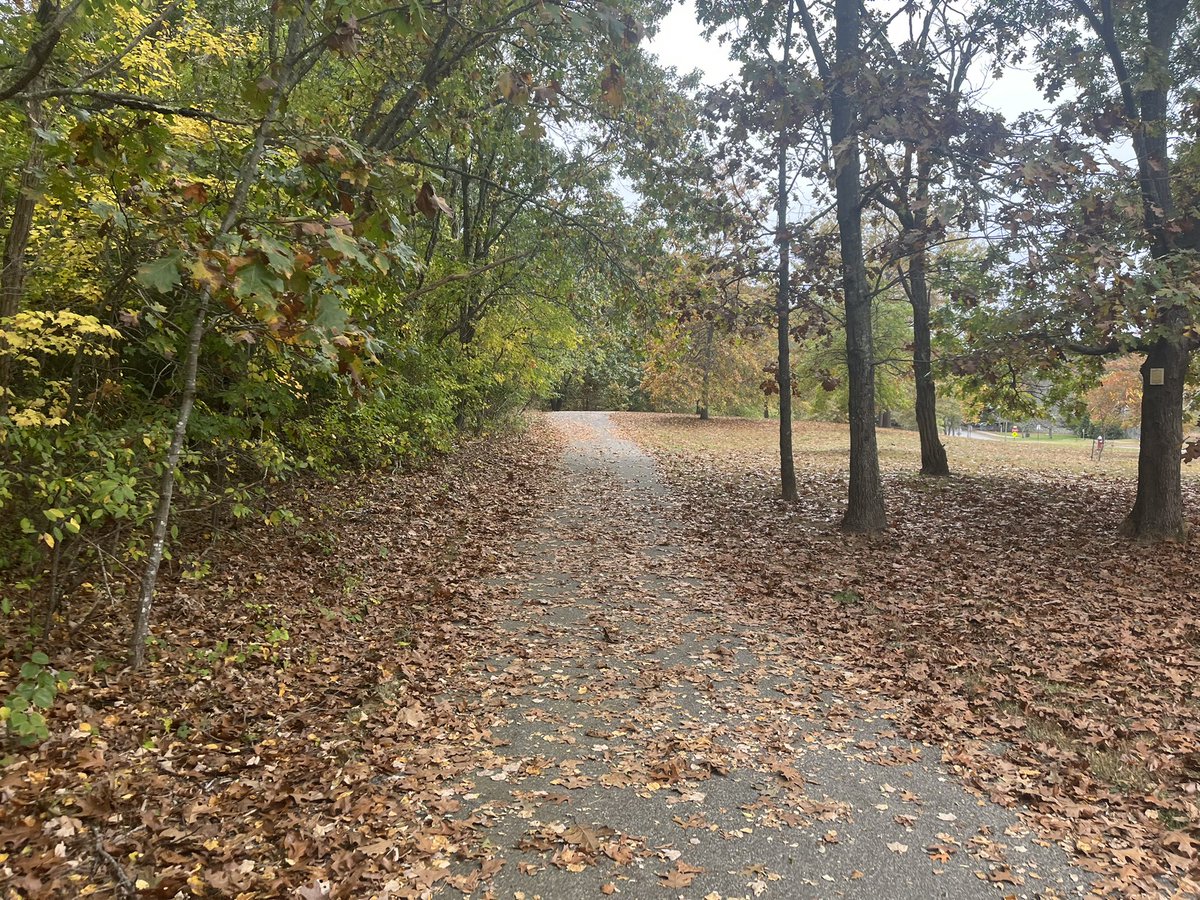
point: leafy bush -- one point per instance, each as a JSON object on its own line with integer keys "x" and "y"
{"x": 23, "y": 710}
{"x": 378, "y": 431}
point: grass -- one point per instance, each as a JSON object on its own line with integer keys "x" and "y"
{"x": 825, "y": 446}
{"x": 1113, "y": 767}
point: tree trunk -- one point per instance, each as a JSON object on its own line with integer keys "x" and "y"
{"x": 708, "y": 363}
{"x": 1157, "y": 512}
{"x": 865, "y": 510}
{"x": 933, "y": 453}
{"x": 16, "y": 242}
{"x": 466, "y": 334}
{"x": 468, "y": 306}
{"x": 166, "y": 490}
{"x": 162, "y": 516}
{"x": 12, "y": 264}
{"x": 783, "y": 300}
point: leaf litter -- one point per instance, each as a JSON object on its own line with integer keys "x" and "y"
{"x": 385, "y": 748}
{"x": 1056, "y": 664}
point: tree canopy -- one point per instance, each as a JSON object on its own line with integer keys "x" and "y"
{"x": 243, "y": 242}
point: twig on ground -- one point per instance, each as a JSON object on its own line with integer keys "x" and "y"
{"x": 126, "y": 889}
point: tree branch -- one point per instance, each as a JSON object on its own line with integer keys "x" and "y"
{"x": 463, "y": 276}
{"x": 810, "y": 31}
{"x": 41, "y": 49}
{"x": 134, "y": 101}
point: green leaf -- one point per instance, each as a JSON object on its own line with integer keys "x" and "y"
{"x": 345, "y": 245}
{"x": 162, "y": 275}
{"x": 280, "y": 257}
{"x": 40, "y": 658}
{"x": 331, "y": 315}
{"x": 43, "y": 696}
{"x": 257, "y": 281}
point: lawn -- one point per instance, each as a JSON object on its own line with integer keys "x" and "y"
{"x": 825, "y": 445}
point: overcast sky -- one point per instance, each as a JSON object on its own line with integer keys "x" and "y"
{"x": 680, "y": 43}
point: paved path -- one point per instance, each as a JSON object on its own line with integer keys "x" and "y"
{"x": 650, "y": 744}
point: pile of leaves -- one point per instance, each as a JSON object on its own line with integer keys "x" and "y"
{"x": 1056, "y": 663}
{"x": 290, "y": 732}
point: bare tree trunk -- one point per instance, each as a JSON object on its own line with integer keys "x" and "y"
{"x": 708, "y": 364}
{"x": 933, "y": 453}
{"x": 1157, "y": 512}
{"x": 783, "y": 299}
{"x": 865, "y": 510}
{"x": 162, "y": 515}
{"x": 166, "y": 489}
{"x": 16, "y": 242}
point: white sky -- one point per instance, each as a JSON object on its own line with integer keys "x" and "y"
{"x": 680, "y": 43}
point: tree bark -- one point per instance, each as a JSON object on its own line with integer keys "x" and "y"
{"x": 51, "y": 20}
{"x": 865, "y": 511}
{"x": 246, "y": 174}
{"x": 933, "y": 453}
{"x": 783, "y": 373}
{"x": 16, "y": 242}
{"x": 708, "y": 364}
{"x": 166, "y": 490}
{"x": 1157, "y": 512}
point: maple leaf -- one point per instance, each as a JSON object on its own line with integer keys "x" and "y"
{"x": 681, "y": 876}
{"x": 195, "y": 193}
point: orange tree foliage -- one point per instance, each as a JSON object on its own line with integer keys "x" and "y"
{"x": 1116, "y": 400}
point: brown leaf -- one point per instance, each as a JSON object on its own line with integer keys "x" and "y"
{"x": 429, "y": 203}
{"x": 679, "y": 877}
{"x": 195, "y": 193}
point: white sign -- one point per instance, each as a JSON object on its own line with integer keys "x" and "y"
{"x": 1156, "y": 376}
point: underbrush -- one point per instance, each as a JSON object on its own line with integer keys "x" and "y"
{"x": 262, "y": 743}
